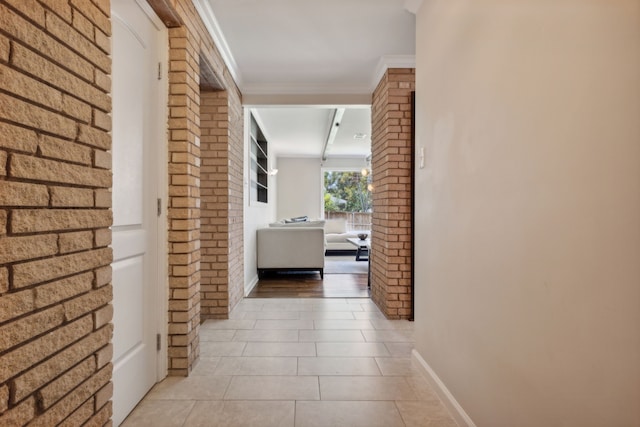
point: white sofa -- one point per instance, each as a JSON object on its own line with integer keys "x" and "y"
{"x": 302, "y": 223}
{"x": 336, "y": 235}
{"x": 290, "y": 247}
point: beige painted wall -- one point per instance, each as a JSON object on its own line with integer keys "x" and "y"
{"x": 299, "y": 187}
{"x": 528, "y": 209}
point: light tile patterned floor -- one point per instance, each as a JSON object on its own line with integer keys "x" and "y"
{"x": 302, "y": 363}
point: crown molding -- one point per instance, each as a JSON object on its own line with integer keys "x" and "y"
{"x": 390, "y": 61}
{"x": 304, "y": 89}
{"x": 321, "y": 100}
{"x": 203, "y": 8}
{"x": 413, "y": 6}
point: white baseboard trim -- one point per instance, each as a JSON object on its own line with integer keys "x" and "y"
{"x": 460, "y": 416}
{"x": 252, "y": 284}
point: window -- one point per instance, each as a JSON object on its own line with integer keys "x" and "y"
{"x": 258, "y": 161}
{"x": 347, "y": 194}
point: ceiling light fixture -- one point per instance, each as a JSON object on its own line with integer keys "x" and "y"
{"x": 360, "y": 135}
{"x": 366, "y": 170}
{"x": 333, "y": 130}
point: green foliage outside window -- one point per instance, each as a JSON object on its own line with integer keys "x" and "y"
{"x": 346, "y": 192}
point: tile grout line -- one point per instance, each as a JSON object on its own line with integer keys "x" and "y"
{"x": 184, "y": 423}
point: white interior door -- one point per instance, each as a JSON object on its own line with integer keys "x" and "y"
{"x": 137, "y": 44}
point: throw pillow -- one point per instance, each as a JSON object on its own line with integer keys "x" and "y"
{"x": 297, "y": 219}
{"x": 335, "y": 226}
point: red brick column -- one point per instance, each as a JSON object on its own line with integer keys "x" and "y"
{"x": 391, "y": 177}
{"x": 184, "y": 202}
{"x": 222, "y": 215}
{"x": 210, "y": 286}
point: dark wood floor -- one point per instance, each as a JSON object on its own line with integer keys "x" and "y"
{"x": 309, "y": 285}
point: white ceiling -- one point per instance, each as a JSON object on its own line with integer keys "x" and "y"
{"x": 303, "y": 131}
{"x": 327, "y": 49}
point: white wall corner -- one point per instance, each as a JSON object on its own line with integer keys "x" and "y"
{"x": 250, "y": 285}
{"x": 456, "y": 411}
{"x": 413, "y": 6}
{"x": 391, "y": 61}
{"x": 211, "y": 23}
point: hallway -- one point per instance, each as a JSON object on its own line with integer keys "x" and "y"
{"x": 298, "y": 362}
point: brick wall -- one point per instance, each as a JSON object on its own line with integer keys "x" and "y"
{"x": 55, "y": 274}
{"x": 184, "y": 202}
{"x": 222, "y": 225}
{"x": 215, "y": 200}
{"x": 55, "y": 278}
{"x": 196, "y": 286}
{"x": 391, "y": 178}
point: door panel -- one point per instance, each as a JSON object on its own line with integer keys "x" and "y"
{"x": 129, "y": 298}
{"x": 136, "y": 45}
